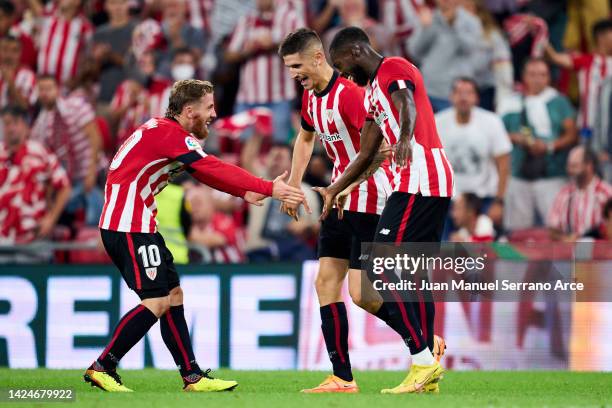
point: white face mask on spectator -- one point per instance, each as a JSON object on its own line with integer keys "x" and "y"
{"x": 183, "y": 71}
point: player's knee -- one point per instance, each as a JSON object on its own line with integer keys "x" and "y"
{"x": 176, "y": 296}
{"x": 325, "y": 284}
{"x": 159, "y": 306}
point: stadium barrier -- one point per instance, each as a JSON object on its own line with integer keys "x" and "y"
{"x": 266, "y": 316}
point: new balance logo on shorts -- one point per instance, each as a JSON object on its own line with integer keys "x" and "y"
{"x": 384, "y": 231}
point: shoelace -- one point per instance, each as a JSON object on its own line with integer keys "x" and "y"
{"x": 207, "y": 374}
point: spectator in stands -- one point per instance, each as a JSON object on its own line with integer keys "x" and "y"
{"x": 220, "y": 237}
{"x": 467, "y": 216}
{"x": 604, "y": 230}
{"x": 184, "y": 65}
{"x": 542, "y": 128}
{"x": 264, "y": 80}
{"x": 582, "y": 15}
{"x": 446, "y": 45}
{"x": 178, "y": 33}
{"x": 354, "y": 13}
{"x": 272, "y": 235}
{"x": 111, "y": 45}
{"x": 323, "y": 14}
{"x": 63, "y": 23}
{"x": 17, "y": 81}
{"x": 477, "y": 146}
{"x": 67, "y": 126}
{"x": 578, "y": 206}
{"x": 592, "y": 68}
{"x": 35, "y": 187}
{"x": 495, "y": 77}
{"x": 142, "y": 96}
{"x": 200, "y": 14}
{"x": 172, "y": 216}
{"x": 401, "y": 18}
{"x": 8, "y": 27}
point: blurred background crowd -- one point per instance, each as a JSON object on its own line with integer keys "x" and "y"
{"x": 522, "y": 91}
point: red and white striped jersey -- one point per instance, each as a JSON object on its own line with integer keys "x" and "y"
{"x": 25, "y": 82}
{"x": 62, "y": 130}
{"x": 200, "y": 12}
{"x": 263, "y": 77}
{"x": 61, "y": 44}
{"x": 401, "y": 18}
{"x": 429, "y": 172}
{"x": 143, "y": 165}
{"x": 337, "y": 115}
{"x": 579, "y": 210}
{"x": 151, "y": 103}
{"x": 593, "y": 70}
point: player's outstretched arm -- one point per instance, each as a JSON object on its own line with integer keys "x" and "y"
{"x": 302, "y": 152}
{"x": 371, "y": 139}
{"x": 237, "y": 181}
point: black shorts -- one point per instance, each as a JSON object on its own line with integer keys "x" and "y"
{"x": 144, "y": 260}
{"x": 412, "y": 218}
{"x": 342, "y": 239}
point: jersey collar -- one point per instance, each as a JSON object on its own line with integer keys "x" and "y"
{"x": 376, "y": 70}
{"x": 329, "y": 86}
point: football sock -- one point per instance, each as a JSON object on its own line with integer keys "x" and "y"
{"x": 131, "y": 328}
{"x": 175, "y": 333}
{"x": 401, "y": 318}
{"x": 334, "y": 324}
{"x": 423, "y": 357}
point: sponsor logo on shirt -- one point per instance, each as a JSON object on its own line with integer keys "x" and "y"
{"x": 330, "y": 138}
{"x": 384, "y": 231}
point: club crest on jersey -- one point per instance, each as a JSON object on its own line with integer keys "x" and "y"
{"x": 330, "y": 115}
{"x": 151, "y": 273}
{"x": 191, "y": 143}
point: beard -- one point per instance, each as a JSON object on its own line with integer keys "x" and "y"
{"x": 200, "y": 129}
{"x": 360, "y": 77}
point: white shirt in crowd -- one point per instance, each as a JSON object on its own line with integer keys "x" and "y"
{"x": 472, "y": 148}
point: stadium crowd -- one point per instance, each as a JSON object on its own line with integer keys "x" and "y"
{"x": 522, "y": 91}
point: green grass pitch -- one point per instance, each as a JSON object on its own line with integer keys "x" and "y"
{"x": 158, "y": 388}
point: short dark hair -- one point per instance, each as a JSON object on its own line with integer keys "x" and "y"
{"x": 607, "y": 209}
{"x": 15, "y": 111}
{"x": 298, "y": 41}
{"x": 348, "y": 36}
{"x": 600, "y": 27}
{"x": 472, "y": 202}
{"x": 185, "y": 92}
{"x": 42, "y": 77}
{"x": 467, "y": 79}
{"x": 182, "y": 50}
{"x": 7, "y": 7}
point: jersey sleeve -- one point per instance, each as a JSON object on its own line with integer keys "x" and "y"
{"x": 396, "y": 75}
{"x": 581, "y": 61}
{"x": 239, "y": 35}
{"x": 212, "y": 171}
{"x": 307, "y": 122}
{"x": 352, "y": 108}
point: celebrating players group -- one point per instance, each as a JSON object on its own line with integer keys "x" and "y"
{"x": 391, "y": 184}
